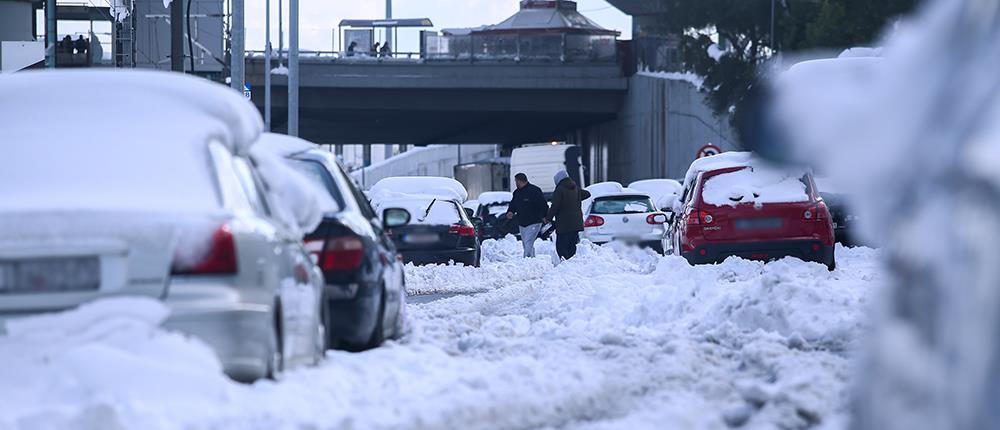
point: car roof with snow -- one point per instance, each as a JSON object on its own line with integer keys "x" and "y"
{"x": 605, "y": 189}
{"x": 495, "y": 197}
{"x": 724, "y": 160}
{"x": 187, "y": 108}
{"x": 403, "y": 186}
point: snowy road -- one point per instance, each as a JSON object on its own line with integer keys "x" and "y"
{"x": 615, "y": 338}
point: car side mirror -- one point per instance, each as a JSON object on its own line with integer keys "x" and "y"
{"x": 395, "y": 217}
{"x": 677, "y": 206}
{"x": 470, "y": 213}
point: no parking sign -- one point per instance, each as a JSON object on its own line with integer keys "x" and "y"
{"x": 708, "y": 151}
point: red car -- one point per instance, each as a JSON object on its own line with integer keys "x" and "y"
{"x": 737, "y": 208}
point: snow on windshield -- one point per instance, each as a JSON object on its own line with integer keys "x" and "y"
{"x": 442, "y": 212}
{"x": 754, "y": 185}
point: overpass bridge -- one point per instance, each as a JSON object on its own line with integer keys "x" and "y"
{"x": 366, "y": 100}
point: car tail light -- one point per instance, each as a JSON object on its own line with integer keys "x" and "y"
{"x": 656, "y": 219}
{"x": 593, "y": 221}
{"x": 219, "y": 259}
{"x": 699, "y": 217}
{"x": 343, "y": 253}
{"x": 819, "y": 212}
{"x": 462, "y": 230}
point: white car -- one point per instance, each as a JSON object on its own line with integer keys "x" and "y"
{"x": 158, "y": 199}
{"x": 616, "y": 213}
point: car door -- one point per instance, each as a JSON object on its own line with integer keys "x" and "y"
{"x": 301, "y": 282}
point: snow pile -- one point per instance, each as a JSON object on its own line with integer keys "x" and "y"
{"x": 299, "y": 201}
{"x": 495, "y": 197}
{"x": 408, "y": 186}
{"x": 502, "y": 265}
{"x": 757, "y": 186}
{"x": 106, "y": 365}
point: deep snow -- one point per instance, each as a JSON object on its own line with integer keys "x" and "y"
{"x": 615, "y": 338}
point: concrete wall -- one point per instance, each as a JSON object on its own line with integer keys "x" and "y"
{"x": 152, "y": 35}
{"x": 660, "y": 128}
{"x": 15, "y": 21}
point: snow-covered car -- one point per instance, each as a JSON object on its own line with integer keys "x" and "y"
{"x": 490, "y": 215}
{"x": 168, "y": 206}
{"x": 365, "y": 295}
{"x": 663, "y": 192}
{"x": 616, "y": 213}
{"x": 734, "y": 204}
{"x": 439, "y": 230}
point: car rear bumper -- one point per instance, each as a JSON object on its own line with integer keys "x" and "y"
{"x": 806, "y": 250}
{"x": 605, "y": 238}
{"x": 352, "y": 319}
{"x": 465, "y": 256}
{"x": 239, "y": 334}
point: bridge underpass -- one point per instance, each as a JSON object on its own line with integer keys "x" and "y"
{"x": 347, "y": 101}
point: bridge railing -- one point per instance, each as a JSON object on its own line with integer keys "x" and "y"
{"x": 520, "y": 47}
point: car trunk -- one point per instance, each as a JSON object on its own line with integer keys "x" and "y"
{"x": 778, "y": 221}
{"x": 428, "y": 237}
{"x": 624, "y": 225}
{"x": 57, "y": 260}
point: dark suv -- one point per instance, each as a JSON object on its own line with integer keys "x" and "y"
{"x": 365, "y": 292}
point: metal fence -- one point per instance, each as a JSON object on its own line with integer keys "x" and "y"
{"x": 518, "y": 47}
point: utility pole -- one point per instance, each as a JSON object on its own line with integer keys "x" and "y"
{"x": 51, "y": 34}
{"x": 293, "y": 68}
{"x": 388, "y": 30}
{"x": 267, "y": 65}
{"x": 177, "y": 36}
{"x": 774, "y": 46}
{"x": 237, "y": 67}
{"x": 281, "y": 33}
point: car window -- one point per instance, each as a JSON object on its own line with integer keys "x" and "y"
{"x": 233, "y": 194}
{"x": 318, "y": 174}
{"x": 251, "y": 187}
{"x": 359, "y": 197}
{"x": 622, "y": 205}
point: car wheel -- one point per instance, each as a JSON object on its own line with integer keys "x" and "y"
{"x": 832, "y": 265}
{"x": 276, "y": 360}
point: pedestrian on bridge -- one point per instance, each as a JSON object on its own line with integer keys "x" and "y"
{"x": 567, "y": 214}
{"x": 529, "y": 206}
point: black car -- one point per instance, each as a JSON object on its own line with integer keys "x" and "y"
{"x": 365, "y": 289}
{"x": 491, "y": 221}
{"x": 843, "y": 218}
{"x": 439, "y": 232}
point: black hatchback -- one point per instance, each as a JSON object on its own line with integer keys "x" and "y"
{"x": 365, "y": 293}
{"x": 439, "y": 232}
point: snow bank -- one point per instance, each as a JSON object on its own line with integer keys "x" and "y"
{"x": 107, "y": 365}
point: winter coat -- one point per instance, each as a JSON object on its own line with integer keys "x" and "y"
{"x": 528, "y": 205}
{"x": 566, "y": 210}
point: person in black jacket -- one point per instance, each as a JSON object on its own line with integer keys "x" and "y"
{"x": 528, "y": 205}
{"x": 567, "y": 214}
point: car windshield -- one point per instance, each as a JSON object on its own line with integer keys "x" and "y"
{"x": 757, "y": 185}
{"x": 318, "y": 174}
{"x": 497, "y": 209}
{"x": 622, "y": 205}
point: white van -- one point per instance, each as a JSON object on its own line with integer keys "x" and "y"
{"x": 541, "y": 162}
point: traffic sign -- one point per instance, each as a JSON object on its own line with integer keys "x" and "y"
{"x": 246, "y": 91}
{"x": 708, "y": 151}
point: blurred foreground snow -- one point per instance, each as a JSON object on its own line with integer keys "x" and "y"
{"x": 615, "y": 338}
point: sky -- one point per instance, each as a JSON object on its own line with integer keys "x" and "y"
{"x": 319, "y": 18}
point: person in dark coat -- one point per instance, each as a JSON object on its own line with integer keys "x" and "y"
{"x": 529, "y": 206}
{"x": 81, "y": 45}
{"x": 567, "y": 214}
{"x": 351, "y": 48}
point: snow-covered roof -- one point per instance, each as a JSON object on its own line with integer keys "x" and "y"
{"x": 555, "y": 16}
{"x": 137, "y": 107}
{"x": 494, "y": 197}
{"x": 715, "y": 162}
{"x": 433, "y": 186}
{"x": 282, "y": 144}
{"x": 148, "y": 148}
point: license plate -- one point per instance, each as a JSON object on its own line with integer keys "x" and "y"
{"x": 420, "y": 239}
{"x": 628, "y": 239}
{"x": 50, "y": 275}
{"x": 759, "y": 223}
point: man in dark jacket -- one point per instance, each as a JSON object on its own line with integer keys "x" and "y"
{"x": 528, "y": 205}
{"x": 567, "y": 214}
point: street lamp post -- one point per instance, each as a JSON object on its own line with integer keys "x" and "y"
{"x": 267, "y": 65}
{"x": 293, "y": 67}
